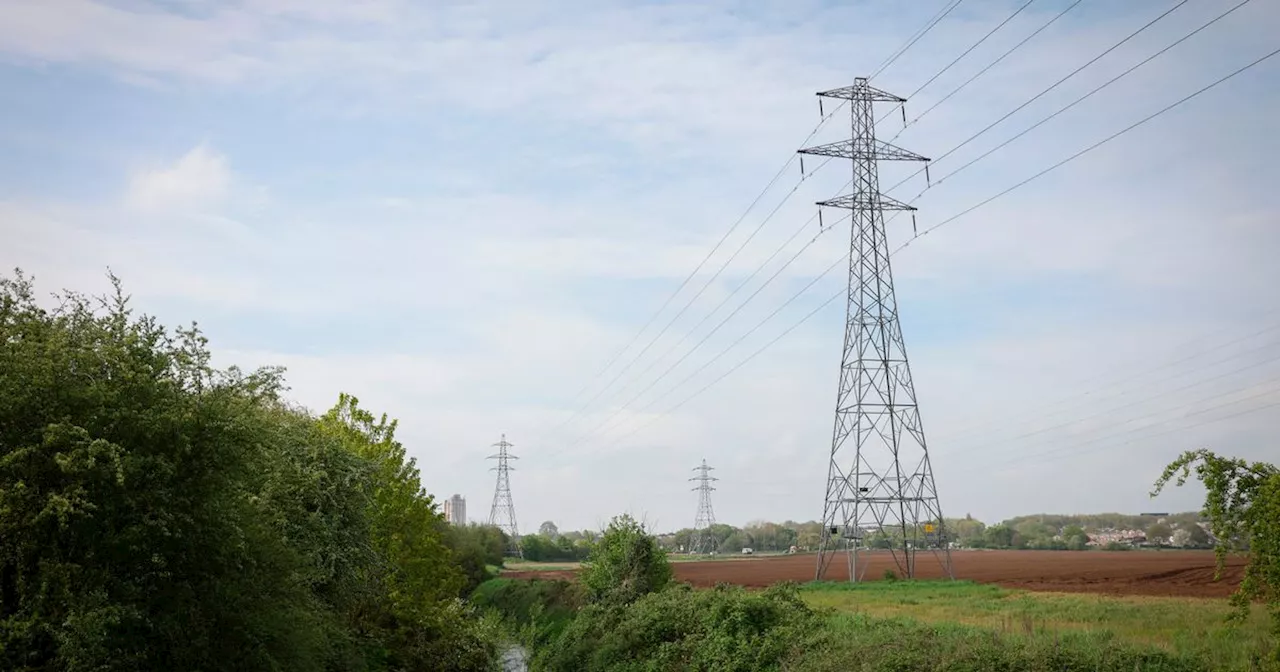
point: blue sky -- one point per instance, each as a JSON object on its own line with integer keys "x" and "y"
{"x": 460, "y": 211}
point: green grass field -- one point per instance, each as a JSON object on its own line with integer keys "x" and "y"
{"x": 1191, "y": 627}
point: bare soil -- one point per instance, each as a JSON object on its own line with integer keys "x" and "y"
{"x": 1169, "y": 573}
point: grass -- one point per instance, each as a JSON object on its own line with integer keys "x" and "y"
{"x": 1191, "y": 627}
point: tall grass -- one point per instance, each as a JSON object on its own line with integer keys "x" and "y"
{"x": 1193, "y": 628}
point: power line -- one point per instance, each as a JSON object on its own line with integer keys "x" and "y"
{"x": 916, "y": 38}
{"x": 652, "y": 318}
{"x": 1075, "y": 450}
{"x": 1088, "y": 149}
{"x": 825, "y": 117}
{"x": 965, "y": 53}
{"x": 804, "y": 225}
{"x": 1133, "y": 376}
{"x": 959, "y": 215}
{"x": 1081, "y": 99}
{"x": 983, "y": 71}
{"x": 759, "y": 268}
{"x": 957, "y": 59}
{"x": 697, "y": 345}
{"x": 688, "y": 304}
{"x": 1140, "y": 401}
{"x": 735, "y": 367}
{"x": 1051, "y": 87}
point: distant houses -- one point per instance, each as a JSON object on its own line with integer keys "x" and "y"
{"x": 1113, "y": 536}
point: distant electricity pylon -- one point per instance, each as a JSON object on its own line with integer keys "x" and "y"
{"x": 503, "y": 513}
{"x": 883, "y": 495}
{"x": 703, "y": 541}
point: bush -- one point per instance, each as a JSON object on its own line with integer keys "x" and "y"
{"x": 158, "y": 513}
{"x": 625, "y": 564}
{"x": 537, "y": 610}
{"x": 475, "y": 549}
{"x": 726, "y": 628}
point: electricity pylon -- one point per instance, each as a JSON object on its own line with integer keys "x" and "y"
{"x": 885, "y": 489}
{"x": 702, "y": 541}
{"x": 503, "y": 513}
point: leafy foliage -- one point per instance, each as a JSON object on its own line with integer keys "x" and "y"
{"x": 1242, "y": 501}
{"x": 476, "y": 548}
{"x": 541, "y": 548}
{"x": 726, "y": 628}
{"x": 157, "y": 513}
{"x": 539, "y": 610}
{"x": 625, "y": 564}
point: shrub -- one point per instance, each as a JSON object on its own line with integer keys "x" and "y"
{"x": 625, "y": 564}
{"x": 537, "y": 610}
{"x": 726, "y": 628}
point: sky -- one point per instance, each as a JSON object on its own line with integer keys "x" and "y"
{"x": 462, "y": 212}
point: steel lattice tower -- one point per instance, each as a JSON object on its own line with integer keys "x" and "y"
{"x": 503, "y": 512}
{"x": 706, "y": 516}
{"x": 885, "y": 487}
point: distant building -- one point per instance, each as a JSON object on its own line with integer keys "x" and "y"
{"x": 455, "y": 510}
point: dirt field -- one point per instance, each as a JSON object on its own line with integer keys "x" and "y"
{"x": 1186, "y": 573}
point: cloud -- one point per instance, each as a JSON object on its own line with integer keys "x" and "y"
{"x": 474, "y": 207}
{"x": 199, "y": 179}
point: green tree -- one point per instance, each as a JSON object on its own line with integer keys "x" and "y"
{"x": 157, "y": 513}
{"x": 1001, "y": 536}
{"x": 625, "y": 564}
{"x": 134, "y": 483}
{"x": 1242, "y": 501}
{"x": 1075, "y": 538}
{"x": 416, "y": 613}
{"x": 1196, "y": 536}
{"x": 1159, "y": 533}
{"x": 475, "y": 549}
{"x": 407, "y": 529}
{"x": 549, "y": 530}
{"x": 968, "y": 531}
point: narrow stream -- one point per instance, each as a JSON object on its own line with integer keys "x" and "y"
{"x": 513, "y": 659}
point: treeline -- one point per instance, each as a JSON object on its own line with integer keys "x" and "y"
{"x": 761, "y": 536}
{"x": 1041, "y": 531}
{"x": 551, "y": 545}
{"x": 159, "y": 513}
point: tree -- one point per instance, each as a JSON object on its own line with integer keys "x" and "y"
{"x": 408, "y": 531}
{"x": 537, "y": 548}
{"x": 475, "y": 548}
{"x": 1159, "y": 533}
{"x": 1075, "y": 538}
{"x": 625, "y": 564}
{"x": 158, "y": 513}
{"x": 1242, "y": 501}
{"x": 1196, "y": 536}
{"x": 967, "y": 531}
{"x": 1181, "y": 538}
{"x": 144, "y": 496}
{"x": 1001, "y": 536}
{"x": 549, "y": 530}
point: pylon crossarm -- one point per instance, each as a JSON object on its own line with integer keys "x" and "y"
{"x": 875, "y": 150}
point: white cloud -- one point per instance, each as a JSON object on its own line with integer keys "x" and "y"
{"x": 469, "y": 305}
{"x": 199, "y": 179}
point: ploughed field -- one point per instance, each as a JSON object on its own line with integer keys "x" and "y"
{"x": 1186, "y": 573}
